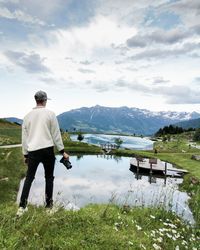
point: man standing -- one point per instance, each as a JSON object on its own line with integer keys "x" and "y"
{"x": 40, "y": 133}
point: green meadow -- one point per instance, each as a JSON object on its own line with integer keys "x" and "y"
{"x": 10, "y": 133}
{"x": 104, "y": 226}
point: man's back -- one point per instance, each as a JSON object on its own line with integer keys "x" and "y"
{"x": 40, "y": 130}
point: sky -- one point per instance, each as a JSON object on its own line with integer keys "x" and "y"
{"x": 143, "y": 54}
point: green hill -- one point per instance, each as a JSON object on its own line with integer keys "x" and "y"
{"x": 10, "y": 133}
{"x": 193, "y": 123}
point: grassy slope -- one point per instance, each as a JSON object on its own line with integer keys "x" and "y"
{"x": 10, "y": 133}
{"x": 11, "y": 171}
{"x": 94, "y": 227}
{"x": 81, "y": 147}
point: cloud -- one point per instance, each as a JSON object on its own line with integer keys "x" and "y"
{"x": 58, "y": 82}
{"x": 86, "y": 71}
{"x": 132, "y": 85}
{"x": 86, "y": 62}
{"x": 158, "y": 36}
{"x": 172, "y": 94}
{"x": 21, "y": 16}
{"x": 179, "y": 94}
{"x": 32, "y": 62}
{"x": 49, "y": 80}
{"x": 101, "y": 87}
{"x": 159, "y": 80}
{"x": 55, "y": 13}
{"x": 165, "y": 52}
{"x": 189, "y": 11}
{"x": 196, "y": 29}
{"x": 197, "y": 79}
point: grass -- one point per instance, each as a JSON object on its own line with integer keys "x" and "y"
{"x": 97, "y": 226}
{"x": 80, "y": 147}
{"x": 191, "y": 183}
{"x": 10, "y": 133}
{"x": 12, "y": 169}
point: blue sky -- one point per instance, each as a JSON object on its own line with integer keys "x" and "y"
{"x": 143, "y": 54}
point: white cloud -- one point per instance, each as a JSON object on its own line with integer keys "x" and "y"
{"x": 32, "y": 62}
{"x": 20, "y": 16}
{"x": 114, "y": 51}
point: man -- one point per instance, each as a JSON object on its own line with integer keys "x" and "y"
{"x": 40, "y": 132}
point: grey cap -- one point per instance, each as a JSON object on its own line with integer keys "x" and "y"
{"x": 41, "y": 96}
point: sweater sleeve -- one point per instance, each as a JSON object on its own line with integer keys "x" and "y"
{"x": 55, "y": 133}
{"x": 24, "y": 139}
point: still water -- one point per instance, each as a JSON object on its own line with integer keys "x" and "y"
{"x": 102, "y": 179}
{"x": 130, "y": 142}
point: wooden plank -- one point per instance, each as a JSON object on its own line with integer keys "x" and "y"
{"x": 160, "y": 166}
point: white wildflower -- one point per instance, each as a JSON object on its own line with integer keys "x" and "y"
{"x": 184, "y": 242}
{"x": 177, "y": 235}
{"x": 172, "y": 225}
{"x": 156, "y": 247}
{"x": 173, "y": 231}
{"x": 169, "y": 235}
{"x": 142, "y": 246}
{"x": 177, "y": 247}
{"x": 159, "y": 239}
{"x": 194, "y": 248}
{"x": 130, "y": 243}
{"x": 116, "y": 229}
{"x": 153, "y": 217}
{"x": 138, "y": 227}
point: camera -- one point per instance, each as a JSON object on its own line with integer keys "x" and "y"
{"x": 66, "y": 163}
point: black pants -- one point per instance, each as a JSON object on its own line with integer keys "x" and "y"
{"x": 47, "y": 158}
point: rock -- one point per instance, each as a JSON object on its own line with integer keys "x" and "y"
{"x": 194, "y": 180}
{"x": 195, "y": 157}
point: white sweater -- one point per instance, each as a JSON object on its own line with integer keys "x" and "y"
{"x": 40, "y": 129}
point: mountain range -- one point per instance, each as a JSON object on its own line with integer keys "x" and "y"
{"x": 194, "y": 123}
{"x": 121, "y": 120}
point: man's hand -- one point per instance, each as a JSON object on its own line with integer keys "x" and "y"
{"x": 65, "y": 155}
{"x": 26, "y": 160}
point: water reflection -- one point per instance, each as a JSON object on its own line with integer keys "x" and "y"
{"x": 130, "y": 142}
{"x": 95, "y": 179}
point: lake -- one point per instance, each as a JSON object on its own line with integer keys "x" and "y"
{"x": 104, "y": 178}
{"x": 130, "y": 142}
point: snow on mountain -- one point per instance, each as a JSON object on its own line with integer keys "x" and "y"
{"x": 120, "y": 120}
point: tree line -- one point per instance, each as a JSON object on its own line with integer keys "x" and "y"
{"x": 172, "y": 130}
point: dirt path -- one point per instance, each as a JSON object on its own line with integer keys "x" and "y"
{"x": 11, "y": 146}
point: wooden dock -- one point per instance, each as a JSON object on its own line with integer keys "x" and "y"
{"x": 108, "y": 147}
{"x": 154, "y": 166}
